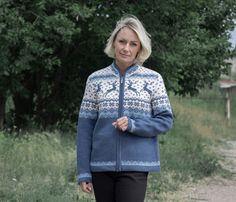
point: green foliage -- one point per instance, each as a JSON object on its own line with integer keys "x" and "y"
{"x": 188, "y": 52}
{"x": 37, "y": 53}
{"x": 48, "y": 48}
{"x": 189, "y": 39}
{"x": 194, "y": 158}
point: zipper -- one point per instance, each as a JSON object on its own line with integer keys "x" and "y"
{"x": 120, "y": 114}
{"x": 121, "y": 96}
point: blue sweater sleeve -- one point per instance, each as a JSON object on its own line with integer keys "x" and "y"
{"x": 86, "y": 122}
{"x": 84, "y": 135}
{"x": 150, "y": 127}
{"x": 161, "y": 119}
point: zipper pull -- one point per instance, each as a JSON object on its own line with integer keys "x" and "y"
{"x": 121, "y": 80}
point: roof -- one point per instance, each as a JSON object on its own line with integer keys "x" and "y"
{"x": 227, "y": 84}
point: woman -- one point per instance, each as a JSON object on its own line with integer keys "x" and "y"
{"x": 124, "y": 109}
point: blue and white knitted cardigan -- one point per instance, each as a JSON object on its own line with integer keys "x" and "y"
{"x": 140, "y": 95}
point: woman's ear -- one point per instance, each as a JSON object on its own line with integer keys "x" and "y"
{"x": 138, "y": 53}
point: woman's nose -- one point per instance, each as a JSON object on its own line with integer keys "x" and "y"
{"x": 126, "y": 47}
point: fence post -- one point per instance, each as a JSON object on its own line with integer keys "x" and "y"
{"x": 228, "y": 87}
{"x": 228, "y": 106}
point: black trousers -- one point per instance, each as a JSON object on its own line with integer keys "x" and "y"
{"x": 119, "y": 186}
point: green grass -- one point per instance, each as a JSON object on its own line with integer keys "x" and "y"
{"x": 41, "y": 166}
{"x": 37, "y": 167}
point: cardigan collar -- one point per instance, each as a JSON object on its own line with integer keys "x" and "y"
{"x": 129, "y": 70}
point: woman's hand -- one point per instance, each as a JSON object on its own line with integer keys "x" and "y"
{"x": 86, "y": 187}
{"x": 121, "y": 123}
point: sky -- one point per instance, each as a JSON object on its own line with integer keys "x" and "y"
{"x": 233, "y": 37}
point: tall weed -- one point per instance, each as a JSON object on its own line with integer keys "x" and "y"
{"x": 188, "y": 150}
{"x": 41, "y": 166}
{"x": 37, "y": 167}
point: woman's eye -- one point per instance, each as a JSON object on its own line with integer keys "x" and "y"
{"x": 121, "y": 41}
{"x": 133, "y": 44}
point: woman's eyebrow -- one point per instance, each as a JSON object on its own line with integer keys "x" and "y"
{"x": 128, "y": 40}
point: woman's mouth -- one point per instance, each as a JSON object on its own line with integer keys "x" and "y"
{"x": 124, "y": 55}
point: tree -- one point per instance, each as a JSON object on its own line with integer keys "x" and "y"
{"x": 189, "y": 38}
{"x": 48, "y": 48}
{"x": 37, "y": 44}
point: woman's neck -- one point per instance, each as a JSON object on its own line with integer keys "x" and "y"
{"x": 122, "y": 67}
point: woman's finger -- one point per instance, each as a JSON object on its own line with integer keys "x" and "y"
{"x": 86, "y": 187}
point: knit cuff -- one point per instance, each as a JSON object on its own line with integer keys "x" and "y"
{"x": 131, "y": 125}
{"x": 84, "y": 177}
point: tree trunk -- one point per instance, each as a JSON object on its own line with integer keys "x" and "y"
{"x": 2, "y": 110}
{"x": 24, "y": 103}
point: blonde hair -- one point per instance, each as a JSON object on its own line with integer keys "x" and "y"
{"x": 134, "y": 24}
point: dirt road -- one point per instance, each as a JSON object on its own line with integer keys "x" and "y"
{"x": 216, "y": 189}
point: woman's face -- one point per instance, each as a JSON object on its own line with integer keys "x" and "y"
{"x": 126, "y": 46}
